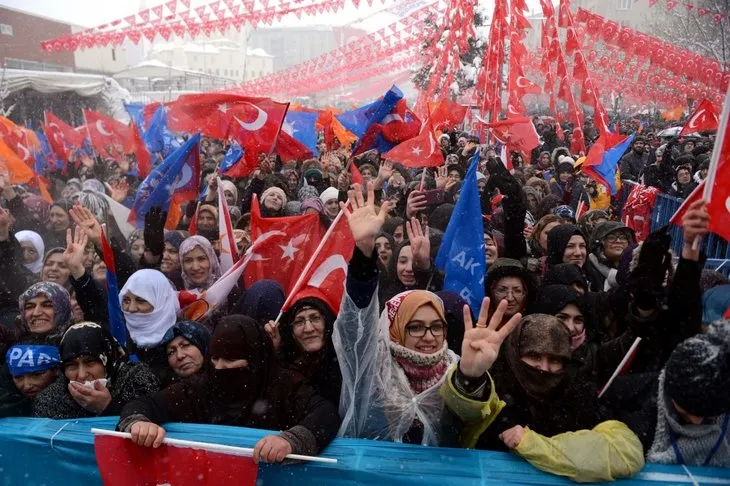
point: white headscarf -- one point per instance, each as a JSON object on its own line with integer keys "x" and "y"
{"x": 35, "y": 240}
{"x": 147, "y": 330}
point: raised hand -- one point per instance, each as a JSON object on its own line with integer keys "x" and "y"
{"x": 420, "y": 244}
{"x": 154, "y": 230}
{"x": 385, "y": 170}
{"x": 415, "y": 204}
{"x": 212, "y": 193}
{"x": 272, "y": 329}
{"x": 442, "y": 177}
{"x": 85, "y": 219}
{"x": 364, "y": 220}
{"x": 481, "y": 344}
{"x": 119, "y": 190}
{"x": 75, "y": 249}
{"x": 696, "y": 224}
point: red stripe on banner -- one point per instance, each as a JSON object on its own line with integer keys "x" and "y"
{"x": 123, "y": 463}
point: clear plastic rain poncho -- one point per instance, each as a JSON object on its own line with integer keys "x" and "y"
{"x": 377, "y": 401}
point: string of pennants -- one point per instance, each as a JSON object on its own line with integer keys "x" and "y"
{"x": 669, "y": 5}
{"x": 175, "y": 17}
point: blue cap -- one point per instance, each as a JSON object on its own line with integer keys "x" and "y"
{"x": 23, "y": 359}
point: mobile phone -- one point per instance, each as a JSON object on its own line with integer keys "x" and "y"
{"x": 435, "y": 197}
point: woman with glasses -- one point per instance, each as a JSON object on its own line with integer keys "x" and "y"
{"x": 393, "y": 363}
{"x": 303, "y": 340}
{"x": 508, "y": 280}
{"x": 609, "y": 241}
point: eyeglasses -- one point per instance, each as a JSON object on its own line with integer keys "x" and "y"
{"x": 419, "y": 330}
{"x": 501, "y": 293}
{"x": 617, "y": 237}
{"x": 315, "y": 320}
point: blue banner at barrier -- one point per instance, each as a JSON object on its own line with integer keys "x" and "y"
{"x": 35, "y": 452}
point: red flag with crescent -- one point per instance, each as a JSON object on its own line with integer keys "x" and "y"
{"x": 703, "y": 119}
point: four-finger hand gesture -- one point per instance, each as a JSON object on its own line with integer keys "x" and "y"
{"x": 420, "y": 244}
{"x": 365, "y": 221}
{"x": 85, "y": 219}
{"x": 480, "y": 347}
{"x": 75, "y": 249}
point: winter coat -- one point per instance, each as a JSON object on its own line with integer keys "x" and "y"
{"x": 14, "y": 279}
{"x": 632, "y": 165}
{"x": 659, "y": 176}
{"x": 570, "y": 198}
{"x": 130, "y": 381}
{"x": 682, "y": 191}
{"x": 12, "y": 402}
{"x": 308, "y": 421}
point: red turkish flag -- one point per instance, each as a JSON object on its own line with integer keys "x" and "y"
{"x": 69, "y": 135}
{"x": 326, "y": 277}
{"x": 580, "y": 68}
{"x": 291, "y": 242}
{"x": 122, "y": 462}
{"x": 565, "y": 19}
{"x": 446, "y": 114}
{"x": 57, "y": 142}
{"x": 107, "y": 132}
{"x": 703, "y": 119}
{"x": 420, "y": 151}
{"x": 577, "y": 143}
{"x": 141, "y": 153}
{"x": 518, "y": 134}
{"x": 719, "y": 205}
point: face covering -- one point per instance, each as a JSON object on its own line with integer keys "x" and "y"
{"x": 149, "y": 329}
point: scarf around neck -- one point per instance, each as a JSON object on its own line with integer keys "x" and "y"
{"x": 422, "y": 370}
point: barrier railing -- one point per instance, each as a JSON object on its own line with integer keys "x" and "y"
{"x": 715, "y": 247}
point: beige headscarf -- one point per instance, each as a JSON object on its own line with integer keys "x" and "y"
{"x": 402, "y": 308}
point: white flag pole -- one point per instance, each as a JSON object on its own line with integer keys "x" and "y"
{"x": 314, "y": 256}
{"x": 620, "y": 367}
{"x": 715, "y": 159}
{"x": 209, "y": 446}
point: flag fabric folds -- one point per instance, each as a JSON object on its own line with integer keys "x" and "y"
{"x": 301, "y": 126}
{"x": 703, "y": 119}
{"x": 228, "y": 250}
{"x": 117, "y": 326}
{"x": 174, "y": 181}
{"x": 462, "y": 255}
{"x": 420, "y": 151}
{"x": 122, "y": 462}
{"x": 603, "y": 158}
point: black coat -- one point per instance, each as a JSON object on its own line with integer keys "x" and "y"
{"x": 632, "y": 165}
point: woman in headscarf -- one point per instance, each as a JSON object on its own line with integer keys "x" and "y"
{"x": 230, "y": 191}
{"x": 262, "y": 301}
{"x": 98, "y": 378}
{"x": 28, "y": 369}
{"x": 38, "y": 207}
{"x": 150, "y": 307}
{"x": 608, "y": 242}
{"x": 384, "y": 244}
{"x": 304, "y": 342}
{"x": 33, "y": 250}
{"x": 591, "y": 219}
{"x": 57, "y": 224}
{"x": 135, "y": 245}
{"x": 242, "y": 386}
{"x": 272, "y": 202}
{"x": 538, "y": 239}
{"x": 551, "y": 416}
{"x": 170, "y": 264}
{"x": 393, "y": 362}
{"x": 508, "y": 280}
{"x": 567, "y": 244}
{"x": 186, "y": 345}
{"x": 45, "y": 311}
{"x": 55, "y": 268}
{"x": 199, "y": 263}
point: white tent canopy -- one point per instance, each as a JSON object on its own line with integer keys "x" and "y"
{"x": 152, "y": 69}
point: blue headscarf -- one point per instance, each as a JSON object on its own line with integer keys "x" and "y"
{"x": 23, "y": 359}
{"x": 198, "y": 335}
{"x": 715, "y": 302}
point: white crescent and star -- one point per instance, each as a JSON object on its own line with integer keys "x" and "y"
{"x": 332, "y": 263}
{"x": 26, "y": 152}
{"x": 101, "y": 129}
{"x": 289, "y": 250}
{"x": 258, "y": 123}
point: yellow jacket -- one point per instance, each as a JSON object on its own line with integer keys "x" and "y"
{"x": 476, "y": 416}
{"x": 608, "y": 451}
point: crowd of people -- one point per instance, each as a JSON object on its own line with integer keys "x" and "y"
{"x": 401, "y": 359}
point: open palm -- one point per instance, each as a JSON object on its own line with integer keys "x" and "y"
{"x": 364, "y": 219}
{"x": 481, "y": 344}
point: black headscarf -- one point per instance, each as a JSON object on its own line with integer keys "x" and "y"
{"x": 558, "y": 239}
{"x": 454, "y": 311}
{"x": 262, "y": 301}
{"x": 554, "y": 298}
{"x": 89, "y": 338}
{"x": 566, "y": 274}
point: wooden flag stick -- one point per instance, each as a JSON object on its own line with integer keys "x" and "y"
{"x": 209, "y": 446}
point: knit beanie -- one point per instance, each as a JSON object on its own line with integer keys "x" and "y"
{"x": 274, "y": 190}
{"x": 697, "y": 374}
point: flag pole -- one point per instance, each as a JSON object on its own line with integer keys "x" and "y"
{"x": 620, "y": 366}
{"x": 213, "y": 447}
{"x": 314, "y": 256}
{"x": 715, "y": 160}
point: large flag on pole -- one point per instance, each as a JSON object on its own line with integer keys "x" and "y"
{"x": 702, "y": 120}
{"x": 461, "y": 255}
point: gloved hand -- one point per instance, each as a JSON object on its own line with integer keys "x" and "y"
{"x": 646, "y": 282}
{"x": 154, "y": 230}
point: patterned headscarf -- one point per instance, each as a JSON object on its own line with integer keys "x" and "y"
{"x": 39, "y": 207}
{"x": 60, "y": 299}
{"x": 135, "y": 235}
{"x": 189, "y": 245}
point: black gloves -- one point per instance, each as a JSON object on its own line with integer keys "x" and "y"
{"x": 646, "y": 282}
{"x": 154, "y": 230}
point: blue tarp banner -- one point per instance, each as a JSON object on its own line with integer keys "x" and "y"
{"x": 35, "y": 452}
